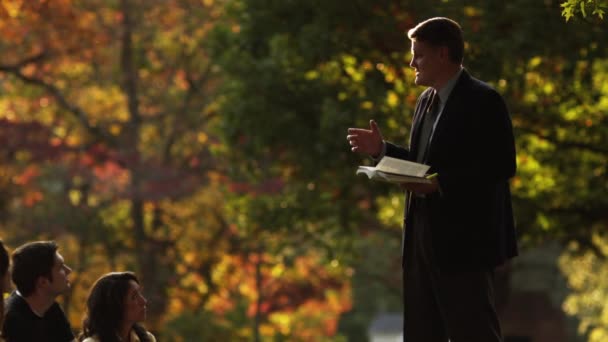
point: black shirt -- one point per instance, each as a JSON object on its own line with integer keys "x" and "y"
{"x": 21, "y": 324}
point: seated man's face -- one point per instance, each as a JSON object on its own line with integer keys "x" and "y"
{"x": 60, "y": 283}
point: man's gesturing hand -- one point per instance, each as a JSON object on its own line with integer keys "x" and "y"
{"x": 368, "y": 141}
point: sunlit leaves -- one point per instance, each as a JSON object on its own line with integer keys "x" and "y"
{"x": 277, "y": 191}
{"x": 390, "y": 210}
{"x": 587, "y": 273}
{"x": 99, "y": 159}
{"x": 573, "y": 8}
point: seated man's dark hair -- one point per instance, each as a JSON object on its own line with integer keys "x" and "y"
{"x": 32, "y": 261}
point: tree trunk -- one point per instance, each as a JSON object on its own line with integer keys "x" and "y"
{"x": 148, "y": 254}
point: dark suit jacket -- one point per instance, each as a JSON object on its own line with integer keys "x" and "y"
{"x": 473, "y": 150}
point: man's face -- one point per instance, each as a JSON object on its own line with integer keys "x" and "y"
{"x": 427, "y": 61}
{"x": 60, "y": 283}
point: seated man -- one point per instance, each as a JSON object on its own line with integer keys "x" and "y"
{"x": 32, "y": 314}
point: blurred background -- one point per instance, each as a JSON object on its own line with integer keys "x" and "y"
{"x": 202, "y": 144}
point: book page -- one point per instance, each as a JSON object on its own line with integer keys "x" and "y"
{"x": 402, "y": 167}
{"x": 375, "y": 174}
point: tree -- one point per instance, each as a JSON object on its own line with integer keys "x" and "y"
{"x": 130, "y": 106}
{"x": 572, "y": 8}
{"x": 299, "y": 73}
{"x": 586, "y": 272}
{"x": 201, "y": 143}
{"x": 110, "y": 109}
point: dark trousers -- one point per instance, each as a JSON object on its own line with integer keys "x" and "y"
{"x": 444, "y": 306}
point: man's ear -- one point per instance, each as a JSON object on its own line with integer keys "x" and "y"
{"x": 42, "y": 282}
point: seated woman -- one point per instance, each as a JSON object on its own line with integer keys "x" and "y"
{"x": 114, "y": 308}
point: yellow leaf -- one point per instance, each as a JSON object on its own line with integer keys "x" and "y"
{"x": 367, "y": 105}
{"x": 202, "y": 137}
{"x": 75, "y": 197}
{"x": 392, "y": 99}
{"x": 311, "y": 75}
{"x": 115, "y": 129}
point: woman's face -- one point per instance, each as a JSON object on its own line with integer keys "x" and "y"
{"x": 135, "y": 303}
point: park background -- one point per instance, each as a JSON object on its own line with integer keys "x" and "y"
{"x": 202, "y": 144}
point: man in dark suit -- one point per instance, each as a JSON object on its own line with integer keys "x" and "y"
{"x": 459, "y": 228}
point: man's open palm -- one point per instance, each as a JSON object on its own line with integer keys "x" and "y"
{"x": 368, "y": 141}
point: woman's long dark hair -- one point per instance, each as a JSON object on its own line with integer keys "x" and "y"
{"x": 4, "y": 262}
{"x": 106, "y": 308}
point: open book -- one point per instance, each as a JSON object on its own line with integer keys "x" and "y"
{"x": 395, "y": 170}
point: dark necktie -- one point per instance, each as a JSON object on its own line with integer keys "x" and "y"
{"x": 426, "y": 127}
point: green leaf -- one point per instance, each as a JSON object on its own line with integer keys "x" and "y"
{"x": 567, "y": 12}
{"x": 599, "y": 12}
{"x": 583, "y": 9}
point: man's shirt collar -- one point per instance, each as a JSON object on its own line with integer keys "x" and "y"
{"x": 446, "y": 90}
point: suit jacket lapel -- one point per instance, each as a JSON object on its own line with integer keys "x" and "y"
{"x": 453, "y": 102}
{"x": 419, "y": 113}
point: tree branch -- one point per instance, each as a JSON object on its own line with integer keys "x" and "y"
{"x": 194, "y": 86}
{"x": 596, "y": 148}
{"x": 28, "y": 60}
{"x": 130, "y": 81}
{"x": 54, "y": 92}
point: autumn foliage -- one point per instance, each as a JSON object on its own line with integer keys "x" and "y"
{"x": 108, "y": 117}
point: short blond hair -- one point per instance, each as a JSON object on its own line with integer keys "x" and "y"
{"x": 441, "y": 31}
